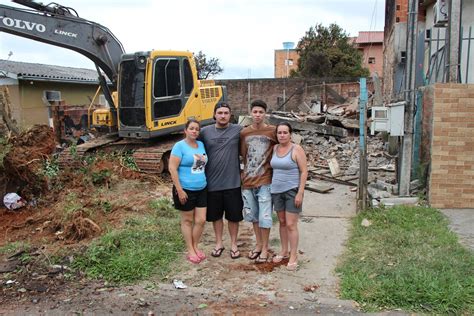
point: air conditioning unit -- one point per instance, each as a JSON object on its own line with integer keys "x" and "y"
{"x": 440, "y": 13}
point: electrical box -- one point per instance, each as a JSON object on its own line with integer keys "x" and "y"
{"x": 440, "y": 13}
{"x": 389, "y": 119}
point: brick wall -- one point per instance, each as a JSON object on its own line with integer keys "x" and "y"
{"x": 281, "y": 71}
{"x": 273, "y": 91}
{"x": 451, "y": 179}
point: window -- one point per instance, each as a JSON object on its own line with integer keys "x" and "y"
{"x": 352, "y": 94}
{"x": 288, "y": 62}
{"x": 167, "y": 87}
{"x": 52, "y": 95}
{"x": 371, "y": 60}
{"x": 188, "y": 78}
{"x": 167, "y": 78}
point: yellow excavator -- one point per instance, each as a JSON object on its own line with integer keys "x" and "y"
{"x": 152, "y": 93}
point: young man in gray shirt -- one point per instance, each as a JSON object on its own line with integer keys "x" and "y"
{"x": 223, "y": 177}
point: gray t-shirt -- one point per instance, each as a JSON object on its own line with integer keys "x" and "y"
{"x": 222, "y": 148}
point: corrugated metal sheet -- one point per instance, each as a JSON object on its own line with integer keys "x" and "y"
{"x": 32, "y": 71}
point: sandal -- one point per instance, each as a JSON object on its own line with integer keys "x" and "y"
{"x": 217, "y": 252}
{"x": 254, "y": 254}
{"x": 292, "y": 266}
{"x": 261, "y": 260}
{"x": 279, "y": 258}
{"x": 234, "y": 254}
{"x": 201, "y": 255}
{"x": 193, "y": 259}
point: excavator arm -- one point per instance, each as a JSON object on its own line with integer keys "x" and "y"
{"x": 61, "y": 26}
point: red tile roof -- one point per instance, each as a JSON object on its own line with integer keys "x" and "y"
{"x": 370, "y": 37}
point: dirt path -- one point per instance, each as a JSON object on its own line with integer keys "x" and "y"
{"x": 223, "y": 285}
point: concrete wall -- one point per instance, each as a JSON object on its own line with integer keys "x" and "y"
{"x": 27, "y": 99}
{"x": 451, "y": 178}
{"x": 373, "y": 50}
{"x": 274, "y": 91}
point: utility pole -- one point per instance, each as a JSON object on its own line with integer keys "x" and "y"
{"x": 454, "y": 26}
{"x": 363, "y": 170}
{"x": 407, "y": 148}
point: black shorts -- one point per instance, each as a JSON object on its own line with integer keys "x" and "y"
{"x": 228, "y": 201}
{"x": 195, "y": 199}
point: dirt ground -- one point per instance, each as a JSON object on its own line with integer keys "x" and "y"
{"x": 217, "y": 285}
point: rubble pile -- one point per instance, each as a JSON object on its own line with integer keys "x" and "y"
{"x": 26, "y": 158}
{"x": 330, "y": 140}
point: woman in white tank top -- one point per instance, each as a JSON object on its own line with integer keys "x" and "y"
{"x": 289, "y": 179}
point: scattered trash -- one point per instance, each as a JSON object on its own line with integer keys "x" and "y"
{"x": 10, "y": 282}
{"x": 366, "y": 222}
{"x": 311, "y": 288}
{"x": 179, "y": 284}
{"x": 291, "y": 307}
{"x": 202, "y": 306}
{"x": 13, "y": 201}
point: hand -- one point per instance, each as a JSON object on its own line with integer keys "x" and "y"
{"x": 183, "y": 197}
{"x": 298, "y": 199}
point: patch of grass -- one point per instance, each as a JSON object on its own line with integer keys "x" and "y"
{"x": 408, "y": 259}
{"x": 146, "y": 246}
{"x": 163, "y": 207}
{"x": 14, "y": 247}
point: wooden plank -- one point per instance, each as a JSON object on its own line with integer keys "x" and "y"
{"x": 331, "y": 179}
{"x": 304, "y": 126}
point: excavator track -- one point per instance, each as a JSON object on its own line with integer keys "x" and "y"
{"x": 149, "y": 156}
{"x": 154, "y": 159}
{"x": 72, "y": 157}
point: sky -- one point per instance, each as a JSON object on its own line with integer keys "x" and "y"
{"x": 242, "y": 34}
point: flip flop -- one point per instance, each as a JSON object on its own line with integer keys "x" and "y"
{"x": 261, "y": 260}
{"x": 279, "y": 258}
{"x": 217, "y": 252}
{"x": 292, "y": 266}
{"x": 193, "y": 259}
{"x": 254, "y": 254}
{"x": 234, "y": 254}
{"x": 201, "y": 255}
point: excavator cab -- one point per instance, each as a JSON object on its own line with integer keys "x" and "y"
{"x": 159, "y": 91}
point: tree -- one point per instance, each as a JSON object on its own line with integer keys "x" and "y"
{"x": 207, "y": 67}
{"x": 329, "y": 52}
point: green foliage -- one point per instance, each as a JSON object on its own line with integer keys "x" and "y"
{"x": 73, "y": 205}
{"x": 101, "y": 177}
{"x": 128, "y": 161}
{"x": 14, "y": 247}
{"x": 163, "y": 207}
{"x": 50, "y": 168}
{"x": 409, "y": 259}
{"x": 207, "y": 67}
{"x": 329, "y": 52}
{"x": 146, "y": 246}
{"x": 73, "y": 150}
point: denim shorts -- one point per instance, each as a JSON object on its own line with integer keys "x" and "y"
{"x": 258, "y": 206}
{"x": 285, "y": 201}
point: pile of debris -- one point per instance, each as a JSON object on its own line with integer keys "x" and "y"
{"x": 26, "y": 157}
{"x": 329, "y": 136}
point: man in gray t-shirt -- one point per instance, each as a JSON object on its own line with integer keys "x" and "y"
{"x": 223, "y": 177}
